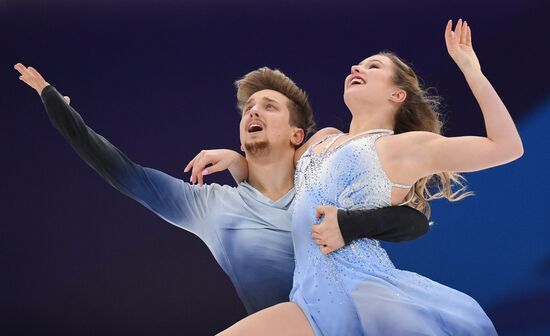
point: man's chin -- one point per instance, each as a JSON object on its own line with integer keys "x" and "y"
{"x": 256, "y": 147}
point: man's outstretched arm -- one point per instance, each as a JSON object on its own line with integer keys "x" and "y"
{"x": 170, "y": 198}
{"x": 340, "y": 227}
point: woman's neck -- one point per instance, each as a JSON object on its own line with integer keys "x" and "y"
{"x": 366, "y": 117}
{"x": 365, "y": 123}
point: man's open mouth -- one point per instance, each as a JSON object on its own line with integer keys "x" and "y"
{"x": 254, "y": 127}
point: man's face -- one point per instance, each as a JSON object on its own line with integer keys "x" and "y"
{"x": 265, "y": 122}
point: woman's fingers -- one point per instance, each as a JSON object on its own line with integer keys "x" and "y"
{"x": 190, "y": 164}
{"x": 464, "y": 33}
{"x": 193, "y": 164}
{"x": 198, "y": 168}
{"x": 213, "y": 169}
{"x": 200, "y": 178}
{"x": 458, "y": 30}
{"x": 469, "y": 37}
{"x": 448, "y": 34}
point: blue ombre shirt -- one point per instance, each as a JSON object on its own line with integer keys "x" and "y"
{"x": 247, "y": 233}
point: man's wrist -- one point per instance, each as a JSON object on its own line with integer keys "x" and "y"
{"x": 347, "y": 230}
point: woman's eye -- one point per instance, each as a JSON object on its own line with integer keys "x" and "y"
{"x": 373, "y": 66}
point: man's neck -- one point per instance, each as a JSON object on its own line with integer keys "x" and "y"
{"x": 271, "y": 174}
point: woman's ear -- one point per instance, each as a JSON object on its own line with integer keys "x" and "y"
{"x": 398, "y": 96}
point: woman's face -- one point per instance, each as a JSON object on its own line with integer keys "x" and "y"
{"x": 370, "y": 81}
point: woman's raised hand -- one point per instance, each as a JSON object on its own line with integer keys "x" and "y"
{"x": 459, "y": 45}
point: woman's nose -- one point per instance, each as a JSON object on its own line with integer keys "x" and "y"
{"x": 355, "y": 69}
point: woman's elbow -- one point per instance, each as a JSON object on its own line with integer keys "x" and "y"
{"x": 514, "y": 153}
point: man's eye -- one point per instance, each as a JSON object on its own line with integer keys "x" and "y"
{"x": 269, "y": 106}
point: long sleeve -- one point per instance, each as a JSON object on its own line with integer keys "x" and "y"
{"x": 393, "y": 224}
{"x": 170, "y": 198}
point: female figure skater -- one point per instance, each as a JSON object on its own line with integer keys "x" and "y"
{"x": 392, "y": 150}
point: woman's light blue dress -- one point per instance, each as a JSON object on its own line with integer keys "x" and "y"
{"x": 356, "y": 290}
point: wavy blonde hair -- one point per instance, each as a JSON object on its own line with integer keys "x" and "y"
{"x": 420, "y": 112}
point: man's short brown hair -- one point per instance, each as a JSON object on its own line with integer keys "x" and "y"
{"x": 301, "y": 114}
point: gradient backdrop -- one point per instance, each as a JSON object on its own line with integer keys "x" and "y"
{"x": 156, "y": 79}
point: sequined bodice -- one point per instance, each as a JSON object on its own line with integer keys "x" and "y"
{"x": 348, "y": 176}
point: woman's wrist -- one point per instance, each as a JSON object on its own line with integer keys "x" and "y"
{"x": 470, "y": 70}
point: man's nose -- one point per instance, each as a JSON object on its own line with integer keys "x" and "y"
{"x": 253, "y": 111}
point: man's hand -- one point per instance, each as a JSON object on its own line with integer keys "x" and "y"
{"x": 31, "y": 77}
{"x": 327, "y": 234}
{"x": 220, "y": 159}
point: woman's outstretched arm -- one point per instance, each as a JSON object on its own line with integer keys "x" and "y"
{"x": 502, "y": 144}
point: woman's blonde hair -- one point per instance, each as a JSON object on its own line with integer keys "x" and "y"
{"x": 420, "y": 112}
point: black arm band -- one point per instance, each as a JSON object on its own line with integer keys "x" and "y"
{"x": 393, "y": 224}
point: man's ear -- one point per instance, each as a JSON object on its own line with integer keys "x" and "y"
{"x": 398, "y": 96}
{"x": 242, "y": 148}
{"x": 298, "y": 136}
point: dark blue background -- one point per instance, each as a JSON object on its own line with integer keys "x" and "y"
{"x": 156, "y": 79}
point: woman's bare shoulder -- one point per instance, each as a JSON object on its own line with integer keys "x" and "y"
{"x": 315, "y": 138}
{"x": 412, "y": 138}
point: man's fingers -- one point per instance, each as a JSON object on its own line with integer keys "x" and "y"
{"x": 320, "y": 211}
{"x": 34, "y": 72}
{"x": 67, "y": 99}
{"x": 315, "y": 229}
{"x": 315, "y": 235}
{"x": 25, "y": 80}
{"x": 20, "y": 67}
